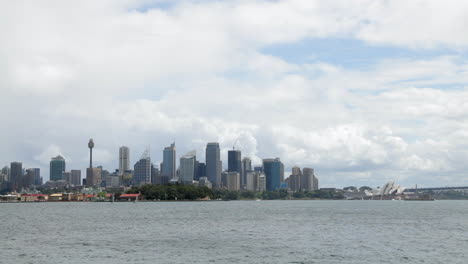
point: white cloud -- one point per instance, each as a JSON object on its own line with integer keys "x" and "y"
{"x": 196, "y": 73}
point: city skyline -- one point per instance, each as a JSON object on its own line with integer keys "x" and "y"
{"x": 364, "y": 93}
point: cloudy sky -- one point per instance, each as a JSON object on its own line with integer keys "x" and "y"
{"x": 362, "y": 91}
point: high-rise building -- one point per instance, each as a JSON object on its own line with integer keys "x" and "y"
{"x": 213, "y": 163}
{"x": 246, "y": 167}
{"x": 124, "y": 159}
{"x": 234, "y": 161}
{"x": 93, "y": 177}
{"x": 233, "y": 181}
{"x": 57, "y": 167}
{"x": 104, "y": 176}
{"x": 235, "y": 164}
{"x": 295, "y": 179}
{"x": 169, "y": 162}
{"x": 37, "y": 176}
{"x": 6, "y": 171}
{"x": 113, "y": 180}
{"x": 142, "y": 170}
{"x": 75, "y": 177}
{"x": 201, "y": 171}
{"x": 187, "y": 167}
{"x": 261, "y": 182}
{"x": 274, "y": 173}
{"x": 16, "y": 176}
{"x": 28, "y": 178}
{"x": 307, "y": 182}
{"x": 251, "y": 180}
{"x": 258, "y": 168}
{"x": 66, "y": 176}
{"x": 155, "y": 175}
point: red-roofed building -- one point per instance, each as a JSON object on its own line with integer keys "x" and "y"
{"x": 130, "y": 197}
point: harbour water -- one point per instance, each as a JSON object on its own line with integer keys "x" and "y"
{"x": 235, "y": 232}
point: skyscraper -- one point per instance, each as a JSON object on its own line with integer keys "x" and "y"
{"x": 201, "y": 171}
{"x": 155, "y": 175}
{"x": 295, "y": 179}
{"x": 124, "y": 159}
{"x": 187, "y": 167}
{"x": 16, "y": 176}
{"x": 57, "y": 167}
{"x": 37, "y": 176}
{"x": 233, "y": 181}
{"x": 6, "y": 171}
{"x": 213, "y": 163}
{"x": 169, "y": 162}
{"x": 309, "y": 181}
{"x": 76, "y": 177}
{"x": 274, "y": 173}
{"x": 246, "y": 167}
{"x": 28, "y": 178}
{"x": 142, "y": 170}
{"x": 234, "y": 161}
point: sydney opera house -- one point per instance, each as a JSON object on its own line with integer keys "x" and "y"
{"x": 389, "y": 191}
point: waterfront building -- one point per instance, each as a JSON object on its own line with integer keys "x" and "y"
{"x": 169, "y": 162}
{"x": 213, "y": 163}
{"x": 187, "y": 167}
{"x": 75, "y": 177}
{"x": 233, "y": 181}
{"x": 142, "y": 170}
{"x": 16, "y": 176}
{"x": 124, "y": 159}
{"x": 274, "y": 173}
{"x": 57, "y": 167}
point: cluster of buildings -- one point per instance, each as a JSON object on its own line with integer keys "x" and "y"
{"x": 239, "y": 174}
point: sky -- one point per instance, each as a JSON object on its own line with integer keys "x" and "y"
{"x": 364, "y": 91}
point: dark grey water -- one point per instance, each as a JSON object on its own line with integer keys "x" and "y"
{"x": 235, "y": 232}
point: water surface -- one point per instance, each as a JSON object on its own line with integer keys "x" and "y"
{"x": 235, "y": 232}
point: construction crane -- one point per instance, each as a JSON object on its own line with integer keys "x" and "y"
{"x": 234, "y": 145}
